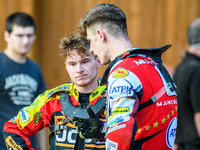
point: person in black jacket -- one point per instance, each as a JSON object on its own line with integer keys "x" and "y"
{"x": 187, "y": 79}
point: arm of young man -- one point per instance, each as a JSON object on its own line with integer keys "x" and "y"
{"x": 123, "y": 104}
{"x": 28, "y": 122}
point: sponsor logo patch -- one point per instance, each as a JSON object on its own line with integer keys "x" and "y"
{"x": 37, "y": 117}
{"x": 24, "y": 115}
{"x": 120, "y": 73}
{"x": 121, "y": 89}
{"x": 119, "y": 110}
{"x": 114, "y": 122}
{"x": 167, "y": 102}
{"x": 12, "y": 144}
{"x": 116, "y": 128}
{"x": 171, "y": 133}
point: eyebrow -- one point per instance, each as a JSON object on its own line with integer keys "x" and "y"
{"x": 84, "y": 59}
{"x": 22, "y": 34}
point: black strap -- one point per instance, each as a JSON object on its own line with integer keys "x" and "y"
{"x": 153, "y": 99}
{"x": 59, "y": 127}
{"x": 167, "y": 77}
{"x": 147, "y": 103}
{"x": 80, "y": 143}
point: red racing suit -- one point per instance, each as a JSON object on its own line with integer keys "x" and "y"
{"x": 132, "y": 82}
{"x": 46, "y": 111}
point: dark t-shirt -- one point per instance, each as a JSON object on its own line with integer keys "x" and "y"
{"x": 187, "y": 79}
{"x": 19, "y": 85}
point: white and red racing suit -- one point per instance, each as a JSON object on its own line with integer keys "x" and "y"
{"x": 46, "y": 111}
{"x": 132, "y": 82}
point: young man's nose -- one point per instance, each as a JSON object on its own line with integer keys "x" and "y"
{"x": 79, "y": 68}
{"x": 25, "y": 39}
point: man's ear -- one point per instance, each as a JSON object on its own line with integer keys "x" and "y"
{"x": 101, "y": 35}
{"x": 98, "y": 63}
{"x": 6, "y": 36}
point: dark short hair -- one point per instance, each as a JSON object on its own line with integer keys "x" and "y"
{"x": 104, "y": 13}
{"x": 193, "y": 32}
{"x": 20, "y": 19}
{"x": 74, "y": 42}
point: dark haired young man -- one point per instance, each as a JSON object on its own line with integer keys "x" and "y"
{"x": 21, "y": 79}
{"x": 142, "y": 103}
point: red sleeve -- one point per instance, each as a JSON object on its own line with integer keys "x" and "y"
{"x": 29, "y": 121}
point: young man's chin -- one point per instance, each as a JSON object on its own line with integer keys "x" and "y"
{"x": 82, "y": 83}
{"x": 24, "y": 52}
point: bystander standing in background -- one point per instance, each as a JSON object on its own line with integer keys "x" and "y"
{"x": 187, "y": 79}
{"x": 21, "y": 79}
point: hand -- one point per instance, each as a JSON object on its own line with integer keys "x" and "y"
{"x": 88, "y": 128}
{"x": 175, "y": 147}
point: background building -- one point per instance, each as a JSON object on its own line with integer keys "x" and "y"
{"x": 151, "y": 23}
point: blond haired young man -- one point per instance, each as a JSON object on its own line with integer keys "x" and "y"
{"x": 55, "y": 107}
